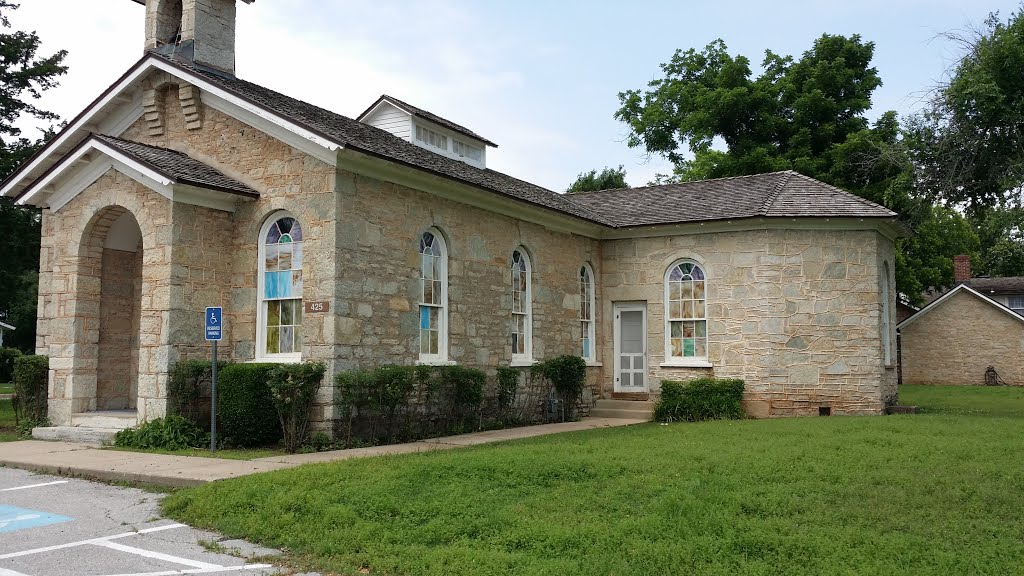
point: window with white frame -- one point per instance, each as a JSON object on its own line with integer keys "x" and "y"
{"x": 433, "y": 297}
{"x": 522, "y": 306}
{"x": 428, "y": 136}
{"x": 469, "y": 151}
{"x": 686, "y": 313}
{"x": 587, "y": 331}
{"x": 279, "y": 322}
{"x": 1016, "y": 303}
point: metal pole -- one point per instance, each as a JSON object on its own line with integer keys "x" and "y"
{"x": 213, "y": 402}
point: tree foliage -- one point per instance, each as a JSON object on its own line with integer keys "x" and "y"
{"x": 24, "y": 76}
{"x": 967, "y": 142}
{"x": 593, "y": 181}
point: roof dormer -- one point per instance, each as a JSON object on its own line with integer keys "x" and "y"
{"x": 427, "y": 130}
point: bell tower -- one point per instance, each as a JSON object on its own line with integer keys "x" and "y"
{"x": 198, "y": 31}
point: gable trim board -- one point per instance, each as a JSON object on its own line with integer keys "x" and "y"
{"x": 160, "y": 181}
{"x": 961, "y": 287}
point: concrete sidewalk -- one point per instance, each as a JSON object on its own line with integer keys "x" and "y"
{"x": 87, "y": 461}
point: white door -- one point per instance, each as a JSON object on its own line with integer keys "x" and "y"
{"x": 630, "y": 347}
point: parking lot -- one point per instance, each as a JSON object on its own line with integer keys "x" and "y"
{"x": 52, "y": 526}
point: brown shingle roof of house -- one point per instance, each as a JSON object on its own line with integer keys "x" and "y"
{"x": 416, "y": 111}
{"x": 998, "y": 285}
{"x": 177, "y": 166}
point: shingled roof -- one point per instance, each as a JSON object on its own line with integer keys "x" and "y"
{"x": 177, "y": 166}
{"x": 776, "y": 194}
{"x": 415, "y": 111}
{"x": 998, "y": 285}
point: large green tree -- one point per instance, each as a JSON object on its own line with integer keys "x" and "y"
{"x": 712, "y": 117}
{"x": 24, "y": 76}
{"x": 604, "y": 180}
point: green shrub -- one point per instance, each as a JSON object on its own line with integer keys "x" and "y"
{"x": 245, "y": 408}
{"x": 7, "y": 357}
{"x": 508, "y": 386}
{"x": 31, "y": 379}
{"x": 186, "y": 382}
{"x": 568, "y": 375}
{"x": 171, "y": 433}
{"x": 293, "y": 388}
{"x": 700, "y": 399}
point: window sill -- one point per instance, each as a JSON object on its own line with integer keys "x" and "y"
{"x": 290, "y": 359}
{"x": 594, "y": 364}
{"x": 686, "y": 364}
{"x": 435, "y": 362}
{"x": 522, "y": 363}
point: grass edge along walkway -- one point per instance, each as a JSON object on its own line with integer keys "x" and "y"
{"x": 935, "y": 493}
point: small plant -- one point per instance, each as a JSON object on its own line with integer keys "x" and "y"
{"x": 169, "y": 433}
{"x": 293, "y": 389}
{"x": 508, "y": 386}
{"x": 700, "y": 399}
{"x": 568, "y": 375}
{"x": 25, "y": 426}
{"x": 185, "y": 387}
{"x": 245, "y": 408}
{"x": 31, "y": 379}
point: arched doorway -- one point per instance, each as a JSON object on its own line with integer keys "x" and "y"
{"x": 112, "y": 280}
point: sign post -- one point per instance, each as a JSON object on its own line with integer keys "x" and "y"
{"x": 214, "y": 317}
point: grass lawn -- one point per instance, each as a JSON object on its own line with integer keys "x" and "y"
{"x": 936, "y": 493}
{"x": 7, "y": 388}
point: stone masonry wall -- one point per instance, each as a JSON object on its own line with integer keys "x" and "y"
{"x": 117, "y": 374}
{"x": 378, "y": 278}
{"x": 794, "y": 313}
{"x": 958, "y": 340}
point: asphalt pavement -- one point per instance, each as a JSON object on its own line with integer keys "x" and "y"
{"x": 54, "y": 526}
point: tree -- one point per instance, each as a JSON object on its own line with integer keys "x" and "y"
{"x": 24, "y": 76}
{"x": 711, "y": 118}
{"x": 967, "y": 142}
{"x": 605, "y": 180}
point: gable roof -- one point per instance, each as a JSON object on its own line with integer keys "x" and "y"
{"x": 776, "y": 194}
{"x": 414, "y": 111}
{"x": 177, "y": 166}
{"x": 960, "y": 288}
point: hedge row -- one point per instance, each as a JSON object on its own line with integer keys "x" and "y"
{"x": 31, "y": 383}
{"x": 700, "y": 399}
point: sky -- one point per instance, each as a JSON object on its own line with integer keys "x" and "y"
{"x": 539, "y": 78}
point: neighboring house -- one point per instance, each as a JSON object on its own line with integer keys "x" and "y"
{"x": 388, "y": 240}
{"x": 955, "y": 338}
{"x": 4, "y": 328}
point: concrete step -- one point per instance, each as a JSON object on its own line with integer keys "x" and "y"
{"x": 114, "y": 419}
{"x": 631, "y": 409}
{"x": 77, "y": 434}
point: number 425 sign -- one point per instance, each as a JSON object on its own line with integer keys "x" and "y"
{"x": 316, "y": 307}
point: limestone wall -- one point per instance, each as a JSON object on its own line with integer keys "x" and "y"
{"x": 955, "y": 343}
{"x": 794, "y": 313}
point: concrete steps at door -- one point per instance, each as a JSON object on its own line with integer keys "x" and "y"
{"x": 629, "y": 409}
{"x": 89, "y": 427}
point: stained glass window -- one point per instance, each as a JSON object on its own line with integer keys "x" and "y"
{"x": 686, "y": 314}
{"x": 522, "y": 306}
{"x": 282, "y": 287}
{"x": 586, "y": 313}
{"x": 433, "y": 296}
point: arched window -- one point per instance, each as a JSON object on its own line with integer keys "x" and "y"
{"x": 522, "y": 306}
{"x": 587, "y": 307}
{"x": 279, "y": 328}
{"x": 685, "y": 315}
{"x": 433, "y": 297}
{"x": 886, "y": 323}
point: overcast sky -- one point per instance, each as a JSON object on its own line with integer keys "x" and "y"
{"x": 540, "y": 78}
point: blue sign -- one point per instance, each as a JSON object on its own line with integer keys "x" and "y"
{"x": 13, "y": 519}
{"x": 213, "y": 323}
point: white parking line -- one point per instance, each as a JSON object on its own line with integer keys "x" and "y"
{"x": 196, "y": 571}
{"x": 33, "y": 486}
{"x": 90, "y": 541}
{"x": 6, "y": 572}
{"x": 158, "y": 555}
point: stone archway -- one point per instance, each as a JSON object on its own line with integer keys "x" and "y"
{"x": 109, "y": 308}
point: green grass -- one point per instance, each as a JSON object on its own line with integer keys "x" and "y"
{"x": 229, "y": 454}
{"x": 8, "y": 431}
{"x": 6, "y": 388}
{"x": 936, "y": 493}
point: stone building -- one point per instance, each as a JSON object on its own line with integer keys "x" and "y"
{"x": 386, "y": 239}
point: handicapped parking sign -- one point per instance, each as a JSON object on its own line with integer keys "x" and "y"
{"x": 213, "y": 323}
{"x": 13, "y": 519}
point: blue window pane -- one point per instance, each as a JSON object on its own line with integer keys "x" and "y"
{"x": 424, "y": 318}
{"x": 277, "y": 284}
{"x": 586, "y": 348}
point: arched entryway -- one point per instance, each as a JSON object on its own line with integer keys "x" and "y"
{"x": 110, "y": 281}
